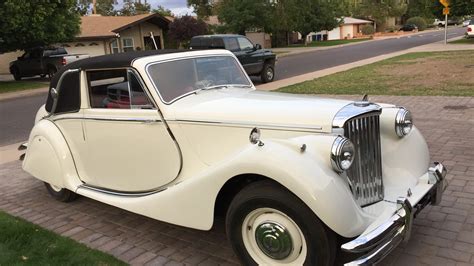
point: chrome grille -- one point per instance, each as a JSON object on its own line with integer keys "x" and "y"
{"x": 365, "y": 174}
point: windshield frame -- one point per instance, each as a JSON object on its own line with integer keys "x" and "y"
{"x": 147, "y": 66}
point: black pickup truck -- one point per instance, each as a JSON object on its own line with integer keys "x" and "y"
{"x": 255, "y": 60}
{"x": 42, "y": 61}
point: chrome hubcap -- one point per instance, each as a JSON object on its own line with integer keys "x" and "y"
{"x": 269, "y": 73}
{"x": 274, "y": 240}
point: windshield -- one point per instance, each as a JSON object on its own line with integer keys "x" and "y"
{"x": 176, "y": 78}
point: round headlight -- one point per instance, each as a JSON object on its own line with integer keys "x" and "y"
{"x": 342, "y": 154}
{"x": 403, "y": 122}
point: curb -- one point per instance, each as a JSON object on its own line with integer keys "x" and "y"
{"x": 23, "y": 93}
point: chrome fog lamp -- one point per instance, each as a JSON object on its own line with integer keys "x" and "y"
{"x": 342, "y": 154}
{"x": 403, "y": 122}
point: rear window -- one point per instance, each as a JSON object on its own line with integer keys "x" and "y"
{"x": 57, "y": 51}
{"x": 69, "y": 98}
{"x": 207, "y": 43}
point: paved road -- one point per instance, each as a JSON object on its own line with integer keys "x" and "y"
{"x": 16, "y": 116}
{"x": 298, "y": 64}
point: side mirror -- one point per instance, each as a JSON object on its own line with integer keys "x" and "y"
{"x": 258, "y": 46}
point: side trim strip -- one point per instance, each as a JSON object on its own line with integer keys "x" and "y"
{"x": 122, "y": 119}
{"x": 120, "y": 193}
{"x": 251, "y": 125}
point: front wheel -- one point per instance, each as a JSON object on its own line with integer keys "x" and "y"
{"x": 268, "y": 225}
{"x": 16, "y": 73}
{"x": 268, "y": 73}
{"x": 60, "y": 194}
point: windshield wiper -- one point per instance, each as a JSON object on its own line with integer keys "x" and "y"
{"x": 216, "y": 87}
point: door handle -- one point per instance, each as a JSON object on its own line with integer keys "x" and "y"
{"x": 150, "y": 121}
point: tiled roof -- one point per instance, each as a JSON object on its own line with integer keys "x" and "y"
{"x": 96, "y": 26}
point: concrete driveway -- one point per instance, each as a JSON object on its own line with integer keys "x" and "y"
{"x": 442, "y": 235}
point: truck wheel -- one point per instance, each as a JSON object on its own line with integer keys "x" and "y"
{"x": 51, "y": 71}
{"x": 60, "y": 194}
{"x": 268, "y": 225}
{"x": 268, "y": 73}
{"x": 16, "y": 74}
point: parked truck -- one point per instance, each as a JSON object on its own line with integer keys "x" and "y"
{"x": 43, "y": 61}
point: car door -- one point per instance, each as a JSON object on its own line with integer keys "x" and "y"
{"x": 128, "y": 146}
{"x": 251, "y": 58}
{"x": 34, "y": 63}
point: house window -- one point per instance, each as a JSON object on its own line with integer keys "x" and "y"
{"x": 127, "y": 44}
{"x": 114, "y": 47}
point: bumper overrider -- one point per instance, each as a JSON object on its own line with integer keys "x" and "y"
{"x": 378, "y": 243}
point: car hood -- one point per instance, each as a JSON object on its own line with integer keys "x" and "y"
{"x": 258, "y": 108}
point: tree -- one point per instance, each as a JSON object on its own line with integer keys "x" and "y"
{"x": 202, "y": 8}
{"x": 163, "y": 11}
{"x": 420, "y": 8}
{"x": 317, "y": 15}
{"x": 241, "y": 15}
{"x": 103, "y": 7}
{"x": 380, "y": 11}
{"x": 184, "y": 28}
{"x": 25, "y": 24}
{"x": 134, "y": 7}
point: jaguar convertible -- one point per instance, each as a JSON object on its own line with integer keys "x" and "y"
{"x": 184, "y": 137}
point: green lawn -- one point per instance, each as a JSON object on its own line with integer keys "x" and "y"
{"x": 8, "y": 86}
{"x": 329, "y": 43}
{"x": 426, "y": 73}
{"x": 463, "y": 41}
{"x": 22, "y": 243}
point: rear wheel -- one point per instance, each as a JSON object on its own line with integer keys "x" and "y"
{"x": 16, "y": 73}
{"x": 268, "y": 73}
{"x": 268, "y": 225}
{"x": 59, "y": 193}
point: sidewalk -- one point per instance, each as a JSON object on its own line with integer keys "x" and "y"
{"x": 433, "y": 47}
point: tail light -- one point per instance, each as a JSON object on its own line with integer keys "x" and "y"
{"x": 469, "y": 29}
{"x": 64, "y": 62}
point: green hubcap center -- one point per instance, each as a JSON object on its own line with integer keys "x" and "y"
{"x": 274, "y": 240}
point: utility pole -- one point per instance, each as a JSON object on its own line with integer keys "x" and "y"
{"x": 94, "y": 11}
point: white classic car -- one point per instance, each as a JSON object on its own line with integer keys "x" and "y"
{"x": 183, "y": 137}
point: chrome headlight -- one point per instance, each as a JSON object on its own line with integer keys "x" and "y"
{"x": 342, "y": 154}
{"x": 403, "y": 122}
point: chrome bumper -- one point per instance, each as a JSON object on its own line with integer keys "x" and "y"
{"x": 378, "y": 243}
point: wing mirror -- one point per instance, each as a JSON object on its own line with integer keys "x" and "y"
{"x": 258, "y": 46}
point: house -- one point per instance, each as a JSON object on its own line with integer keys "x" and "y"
{"x": 114, "y": 34}
{"x": 110, "y": 34}
{"x": 348, "y": 29}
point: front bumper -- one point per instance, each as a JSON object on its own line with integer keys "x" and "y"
{"x": 379, "y": 242}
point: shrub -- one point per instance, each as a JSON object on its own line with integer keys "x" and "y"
{"x": 391, "y": 29}
{"x": 368, "y": 30}
{"x": 418, "y": 21}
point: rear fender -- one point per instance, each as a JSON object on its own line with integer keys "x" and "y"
{"x": 48, "y": 157}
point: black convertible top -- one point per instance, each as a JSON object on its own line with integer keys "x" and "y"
{"x": 109, "y": 61}
{"x": 69, "y": 99}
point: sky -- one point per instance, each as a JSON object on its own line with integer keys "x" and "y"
{"x": 178, "y": 7}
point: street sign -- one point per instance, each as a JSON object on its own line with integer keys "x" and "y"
{"x": 446, "y": 11}
{"x": 445, "y": 3}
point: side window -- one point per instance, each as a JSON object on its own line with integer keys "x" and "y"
{"x": 116, "y": 89}
{"x": 231, "y": 44}
{"x": 245, "y": 44}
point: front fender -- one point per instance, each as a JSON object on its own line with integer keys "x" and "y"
{"x": 48, "y": 157}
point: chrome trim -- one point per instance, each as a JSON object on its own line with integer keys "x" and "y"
{"x": 353, "y": 110}
{"x": 120, "y": 193}
{"x": 437, "y": 175}
{"x": 365, "y": 174}
{"x": 379, "y": 242}
{"x": 384, "y": 238}
{"x": 252, "y": 125}
{"x": 400, "y": 120}
{"x": 336, "y": 149}
{"x": 107, "y": 118}
{"x": 190, "y": 57}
